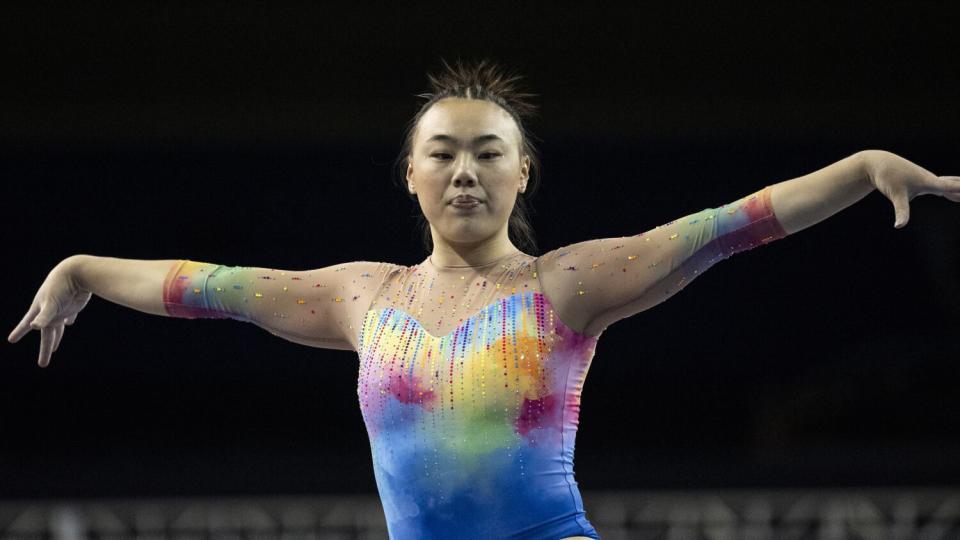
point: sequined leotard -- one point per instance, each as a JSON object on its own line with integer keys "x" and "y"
{"x": 470, "y": 380}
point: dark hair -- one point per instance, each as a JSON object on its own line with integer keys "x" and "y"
{"x": 482, "y": 80}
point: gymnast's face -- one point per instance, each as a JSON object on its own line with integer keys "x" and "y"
{"x": 472, "y": 147}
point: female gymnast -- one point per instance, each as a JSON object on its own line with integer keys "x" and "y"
{"x": 471, "y": 362}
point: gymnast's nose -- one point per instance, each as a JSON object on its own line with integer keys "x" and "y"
{"x": 465, "y": 170}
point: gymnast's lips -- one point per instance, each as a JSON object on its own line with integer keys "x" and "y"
{"x": 465, "y": 199}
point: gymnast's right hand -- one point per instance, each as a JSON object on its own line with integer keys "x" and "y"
{"x": 54, "y": 307}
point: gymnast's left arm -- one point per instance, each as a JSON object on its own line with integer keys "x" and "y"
{"x": 595, "y": 283}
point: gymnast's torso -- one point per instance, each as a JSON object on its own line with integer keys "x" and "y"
{"x": 469, "y": 384}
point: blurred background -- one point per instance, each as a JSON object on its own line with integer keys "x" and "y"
{"x": 804, "y": 389}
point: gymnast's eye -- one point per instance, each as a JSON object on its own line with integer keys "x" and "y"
{"x": 441, "y": 155}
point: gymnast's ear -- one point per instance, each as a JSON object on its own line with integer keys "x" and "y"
{"x": 410, "y": 176}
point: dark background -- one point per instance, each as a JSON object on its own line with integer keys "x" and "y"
{"x": 263, "y": 136}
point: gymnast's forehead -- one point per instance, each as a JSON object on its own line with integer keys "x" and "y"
{"x": 463, "y": 121}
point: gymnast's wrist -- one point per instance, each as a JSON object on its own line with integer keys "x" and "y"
{"x": 73, "y": 267}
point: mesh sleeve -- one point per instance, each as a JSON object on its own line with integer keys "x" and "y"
{"x": 311, "y": 306}
{"x": 608, "y": 279}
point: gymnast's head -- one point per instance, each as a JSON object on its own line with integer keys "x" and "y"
{"x": 469, "y": 138}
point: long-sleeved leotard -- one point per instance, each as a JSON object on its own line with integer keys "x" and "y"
{"x": 470, "y": 379}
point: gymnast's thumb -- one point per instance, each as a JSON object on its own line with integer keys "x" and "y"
{"x": 901, "y": 210}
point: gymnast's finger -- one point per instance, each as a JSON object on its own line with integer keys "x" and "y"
{"x": 60, "y": 330}
{"x": 47, "y": 336}
{"x": 24, "y": 327}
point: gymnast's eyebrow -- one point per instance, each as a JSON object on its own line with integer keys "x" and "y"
{"x": 479, "y": 140}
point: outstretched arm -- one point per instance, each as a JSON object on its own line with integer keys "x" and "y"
{"x": 597, "y": 282}
{"x": 310, "y": 307}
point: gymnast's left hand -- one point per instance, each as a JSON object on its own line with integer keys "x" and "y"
{"x": 900, "y": 181}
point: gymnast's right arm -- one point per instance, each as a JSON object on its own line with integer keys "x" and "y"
{"x": 308, "y": 307}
